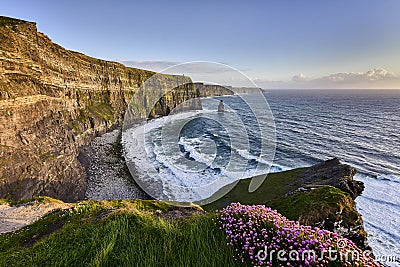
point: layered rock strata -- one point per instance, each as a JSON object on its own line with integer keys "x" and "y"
{"x": 54, "y": 101}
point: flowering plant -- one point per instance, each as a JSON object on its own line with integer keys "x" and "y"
{"x": 261, "y": 236}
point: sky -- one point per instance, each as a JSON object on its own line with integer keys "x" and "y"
{"x": 276, "y": 43}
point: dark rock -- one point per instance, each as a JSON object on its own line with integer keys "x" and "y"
{"x": 346, "y": 221}
{"x": 334, "y": 173}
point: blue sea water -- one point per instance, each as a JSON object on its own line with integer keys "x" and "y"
{"x": 361, "y": 127}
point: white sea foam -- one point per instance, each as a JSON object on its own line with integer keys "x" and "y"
{"x": 278, "y": 168}
{"x": 319, "y": 135}
{"x": 247, "y": 155}
{"x": 379, "y": 206}
{"x": 194, "y": 145}
{"x": 150, "y": 158}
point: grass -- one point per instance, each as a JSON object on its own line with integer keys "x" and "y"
{"x": 103, "y": 110}
{"x": 117, "y": 233}
{"x": 91, "y": 114}
{"x": 4, "y": 201}
{"x": 321, "y": 205}
{"x": 128, "y": 232}
{"x": 83, "y": 116}
{"x": 275, "y": 186}
{"x": 317, "y": 205}
{"x": 33, "y": 200}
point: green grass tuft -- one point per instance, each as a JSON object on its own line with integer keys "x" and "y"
{"x": 315, "y": 205}
{"x": 275, "y": 186}
{"x": 323, "y": 206}
{"x": 103, "y": 110}
{"x": 117, "y": 233}
{"x": 33, "y": 200}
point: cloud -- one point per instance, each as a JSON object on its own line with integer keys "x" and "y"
{"x": 299, "y": 78}
{"x": 352, "y": 77}
{"x": 377, "y": 78}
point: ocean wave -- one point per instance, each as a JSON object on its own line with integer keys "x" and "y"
{"x": 380, "y": 177}
{"x": 191, "y": 145}
{"x": 311, "y": 129}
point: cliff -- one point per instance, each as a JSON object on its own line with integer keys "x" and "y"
{"x": 321, "y": 195}
{"x": 206, "y": 90}
{"x": 53, "y": 101}
{"x": 333, "y": 173}
{"x": 246, "y": 90}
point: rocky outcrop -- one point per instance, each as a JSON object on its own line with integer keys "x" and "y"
{"x": 325, "y": 197}
{"x": 334, "y": 173}
{"x": 321, "y": 195}
{"x": 326, "y": 207}
{"x": 53, "y": 101}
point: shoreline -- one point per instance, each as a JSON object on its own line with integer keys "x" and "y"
{"x": 107, "y": 175}
{"x": 105, "y": 165}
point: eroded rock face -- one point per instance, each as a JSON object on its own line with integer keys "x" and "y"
{"x": 334, "y": 173}
{"x": 338, "y": 214}
{"x": 52, "y": 101}
{"x": 206, "y": 90}
{"x": 325, "y": 207}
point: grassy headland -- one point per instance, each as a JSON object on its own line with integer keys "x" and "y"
{"x": 117, "y": 233}
{"x": 153, "y": 233}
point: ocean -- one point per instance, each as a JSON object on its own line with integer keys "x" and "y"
{"x": 360, "y": 127}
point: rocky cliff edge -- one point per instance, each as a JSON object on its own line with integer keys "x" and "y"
{"x": 52, "y": 102}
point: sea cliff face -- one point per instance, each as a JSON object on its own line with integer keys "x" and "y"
{"x": 53, "y": 101}
{"x": 206, "y": 90}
